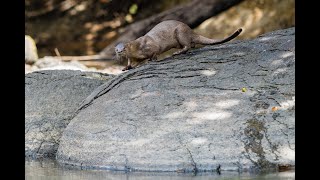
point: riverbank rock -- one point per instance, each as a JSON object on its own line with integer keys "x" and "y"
{"x": 223, "y": 107}
{"x": 30, "y": 50}
{"x": 50, "y": 99}
{"x": 54, "y": 63}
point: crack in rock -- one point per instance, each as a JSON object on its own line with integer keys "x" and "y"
{"x": 193, "y": 163}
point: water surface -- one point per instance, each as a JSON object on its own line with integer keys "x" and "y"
{"x": 50, "y": 169}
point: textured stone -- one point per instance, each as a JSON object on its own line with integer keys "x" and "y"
{"x": 54, "y": 63}
{"x": 51, "y": 97}
{"x": 30, "y": 50}
{"x": 191, "y": 112}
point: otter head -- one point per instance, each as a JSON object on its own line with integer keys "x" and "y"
{"x": 126, "y": 49}
{"x": 120, "y": 51}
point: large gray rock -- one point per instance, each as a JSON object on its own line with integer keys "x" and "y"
{"x": 230, "y": 106}
{"x": 51, "y": 98}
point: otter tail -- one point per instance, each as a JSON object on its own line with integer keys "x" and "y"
{"x": 198, "y": 39}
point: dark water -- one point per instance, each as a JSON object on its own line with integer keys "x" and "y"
{"x": 49, "y": 169}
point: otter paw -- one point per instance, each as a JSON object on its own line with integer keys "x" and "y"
{"x": 127, "y": 68}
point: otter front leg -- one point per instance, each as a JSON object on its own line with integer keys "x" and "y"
{"x": 128, "y": 67}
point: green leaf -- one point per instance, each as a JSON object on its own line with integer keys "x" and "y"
{"x": 133, "y": 9}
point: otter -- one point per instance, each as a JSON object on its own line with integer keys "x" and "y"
{"x": 161, "y": 38}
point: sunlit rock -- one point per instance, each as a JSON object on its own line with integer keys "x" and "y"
{"x": 30, "y": 50}
{"x": 51, "y": 97}
{"x": 190, "y": 113}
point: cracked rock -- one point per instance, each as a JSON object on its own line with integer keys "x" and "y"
{"x": 189, "y": 113}
{"x": 51, "y": 97}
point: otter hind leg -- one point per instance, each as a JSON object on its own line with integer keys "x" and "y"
{"x": 184, "y": 39}
{"x": 183, "y": 50}
{"x": 154, "y": 57}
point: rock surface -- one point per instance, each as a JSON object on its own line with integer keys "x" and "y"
{"x": 30, "y": 50}
{"x": 54, "y": 63}
{"x": 227, "y": 106}
{"x": 50, "y": 99}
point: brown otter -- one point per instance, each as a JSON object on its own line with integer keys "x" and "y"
{"x": 164, "y": 36}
